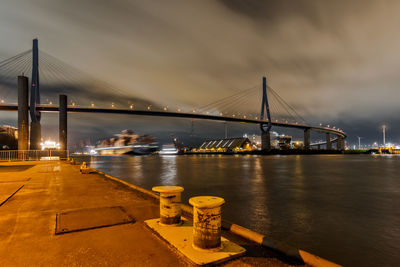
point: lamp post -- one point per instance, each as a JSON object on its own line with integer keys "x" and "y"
{"x": 359, "y": 142}
{"x": 384, "y": 134}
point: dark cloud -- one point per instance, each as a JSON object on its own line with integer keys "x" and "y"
{"x": 332, "y": 60}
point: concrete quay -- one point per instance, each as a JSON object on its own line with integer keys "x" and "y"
{"x": 52, "y": 215}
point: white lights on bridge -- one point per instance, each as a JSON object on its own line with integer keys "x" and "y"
{"x": 2, "y": 101}
{"x": 220, "y": 113}
{"x": 51, "y": 103}
{"x": 244, "y": 117}
{"x": 179, "y": 110}
{"x": 92, "y": 105}
{"x": 131, "y": 106}
{"x": 194, "y": 111}
{"x": 149, "y": 107}
{"x": 112, "y": 105}
{"x": 165, "y": 108}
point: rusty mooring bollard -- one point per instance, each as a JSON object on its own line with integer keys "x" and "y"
{"x": 170, "y": 204}
{"x": 206, "y": 221}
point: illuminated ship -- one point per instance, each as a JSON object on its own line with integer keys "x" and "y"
{"x": 127, "y": 143}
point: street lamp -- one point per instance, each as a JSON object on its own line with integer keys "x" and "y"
{"x": 359, "y": 142}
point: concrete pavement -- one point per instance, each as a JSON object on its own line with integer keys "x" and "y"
{"x": 32, "y": 194}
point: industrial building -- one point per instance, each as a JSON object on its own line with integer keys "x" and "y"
{"x": 226, "y": 145}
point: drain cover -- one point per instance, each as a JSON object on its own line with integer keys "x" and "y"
{"x": 86, "y": 219}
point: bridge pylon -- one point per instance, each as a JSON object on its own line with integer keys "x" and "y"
{"x": 36, "y": 132}
{"x": 265, "y": 127}
{"x": 23, "y": 115}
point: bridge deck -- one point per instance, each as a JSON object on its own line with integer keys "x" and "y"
{"x": 75, "y": 109}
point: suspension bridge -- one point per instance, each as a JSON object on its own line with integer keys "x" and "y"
{"x": 90, "y": 95}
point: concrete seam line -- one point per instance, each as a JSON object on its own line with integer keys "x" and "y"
{"x": 243, "y": 232}
{"x": 1, "y": 204}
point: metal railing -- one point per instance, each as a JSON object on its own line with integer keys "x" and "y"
{"x": 25, "y": 155}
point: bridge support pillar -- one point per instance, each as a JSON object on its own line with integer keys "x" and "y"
{"x": 265, "y": 141}
{"x": 36, "y": 135}
{"x": 307, "y": 139}
{"x": 328, "y": 142}
{"x": 63, "y": 122}
{"x": 23, "y": 115}
{"x": 340, "y": 143}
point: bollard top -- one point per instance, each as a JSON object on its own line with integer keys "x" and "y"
{"x": 168, "y": 189}
{"x": 206, "y": 202}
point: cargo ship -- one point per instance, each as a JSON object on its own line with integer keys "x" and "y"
{"x": 8, "y": 137}
{"x": 127, "y": 142}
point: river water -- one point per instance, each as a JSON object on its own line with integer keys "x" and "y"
{"x": 345, "y": 208}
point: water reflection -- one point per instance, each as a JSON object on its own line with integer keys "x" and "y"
{"x": 259, "y": 215}
{"x": 168, "y": 174}
{"x": 343, "y": 208}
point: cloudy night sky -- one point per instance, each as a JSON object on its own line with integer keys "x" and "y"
{"x": 336, "y": 62}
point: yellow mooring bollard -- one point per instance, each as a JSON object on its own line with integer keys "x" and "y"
{"x": 170, "y": 204}
{"x": 207, "y": 221}
{"x": 84, "y": 169}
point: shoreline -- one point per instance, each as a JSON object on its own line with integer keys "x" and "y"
{"x": 300, "y": 256}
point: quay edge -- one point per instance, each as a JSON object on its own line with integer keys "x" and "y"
{"x": 299, "y": 256}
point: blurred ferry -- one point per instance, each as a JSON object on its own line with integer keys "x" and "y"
{"x": 169, "y": 149}
{"x": 127, "y": 143}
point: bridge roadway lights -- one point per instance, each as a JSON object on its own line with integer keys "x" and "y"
{"x": 328, "y": 141}
{"x": 23, "y": 115}
{"x": 207, "y": 221}
{"x": 307, "y": 139}
{"x": 63, "y": 122}
{"x": 265, "y": 141}
{"x": 170, "y": 204}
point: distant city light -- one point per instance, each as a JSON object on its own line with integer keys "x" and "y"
{"x": 49, "y": 145}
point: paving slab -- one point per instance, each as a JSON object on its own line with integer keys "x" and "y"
{"x": 87, "y": 219}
